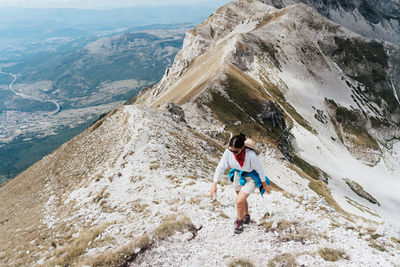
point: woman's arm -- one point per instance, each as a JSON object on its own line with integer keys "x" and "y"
{"x": 222, "y": 165}
{"x": 256, "y": 165}
{"x": 266, "y": 187}
{"x": 213, "y": 190}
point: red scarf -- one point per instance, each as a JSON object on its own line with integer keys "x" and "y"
{"x": 240, "y": 157}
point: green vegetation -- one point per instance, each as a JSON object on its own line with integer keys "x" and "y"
{"x": 76, "y": 72}
{"x": 355, "y": 50}
{"x": 243, "y": 104}
{"x": 77, "y": 76}
{"x": 309, "y": 169}
{"x": 377, "y": 122}
{"x": 330, "y": 254}
{"x": 352, "y": 126}
{"x": 271, "y": 51}
{"x": 343, "y": 115}
{"x": 367, "y": 63}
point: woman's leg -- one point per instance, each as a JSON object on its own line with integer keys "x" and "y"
{"x": 241, "y": 204}
{"x": 246, "y": 204}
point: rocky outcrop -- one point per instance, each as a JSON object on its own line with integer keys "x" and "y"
{"x": 270, "y": 111}
{"x": 175, "y": 111}
{"x": 358, "y": 189}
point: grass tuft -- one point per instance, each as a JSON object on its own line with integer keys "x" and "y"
{"x": 376, "y": 246}
{"x": 240, "y": 263}
{"x": 122, "y": 256}
{"x": 395, "y": 240}
{"x": 286, "y": 260}
{"x": 172, "y": 224}
{"x": 68, "y": 255}
{"x": 330, "y": 254}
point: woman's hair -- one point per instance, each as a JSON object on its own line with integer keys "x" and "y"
{"x": 237, "y": 141}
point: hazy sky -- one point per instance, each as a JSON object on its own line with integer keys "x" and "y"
{"x": 101, "y": 4}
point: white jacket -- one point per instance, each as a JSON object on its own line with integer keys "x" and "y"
{"x": 251, "y": 162}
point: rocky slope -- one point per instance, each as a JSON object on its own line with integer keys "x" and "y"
{"x": 370, "y": 18}
{"x": 132, "y": 190}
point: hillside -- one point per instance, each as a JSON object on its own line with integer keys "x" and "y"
{"x": 133, "y": 189}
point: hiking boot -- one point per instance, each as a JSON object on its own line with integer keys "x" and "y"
{"x": 246, "y": 219}
{"x": 238, "y": 226}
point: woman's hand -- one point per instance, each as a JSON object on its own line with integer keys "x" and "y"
{"x": 267, "y": 188}
{"x": 213, "y": 190}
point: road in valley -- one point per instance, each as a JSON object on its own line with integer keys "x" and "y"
{"x": 24, "y": 96}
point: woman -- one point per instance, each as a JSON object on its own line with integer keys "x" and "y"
{"x": 245, "y": 161}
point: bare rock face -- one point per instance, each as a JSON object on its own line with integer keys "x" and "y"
{"x": 271, "y": 111}
{"x": 358, "y": 189}
{"x": 176, "y": 112}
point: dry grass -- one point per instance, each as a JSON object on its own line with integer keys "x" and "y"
{"x": 330, "y": 254}
{"x": 154, "y": 167}
{"x": 136, "y": 178}
{"x": 395, "y": 240}
{"x": 122, "y": 256}
{"x": 70, "y": 254}
{"x": 108, "y": 259}
{"x": 282, "y": 225}
{"x": 194, "y": 200}
{"x": 283, "y": 260}
{"x": 21, "y": 202}
{"x": 172, "y": 224}
{"x": 240, "y": 263}
{"x": 190, "y": 183}
{"x": 302, "y": 236}
{"x": 138, "y": 207}
{"x": 191, "y": 85}
{"x": 174, "y": 179}
{"x": 361, "y": 207}
{"x": 376, "y": 246}
{"x": 223, "y": 215}
{"x": 143, "y": 242}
